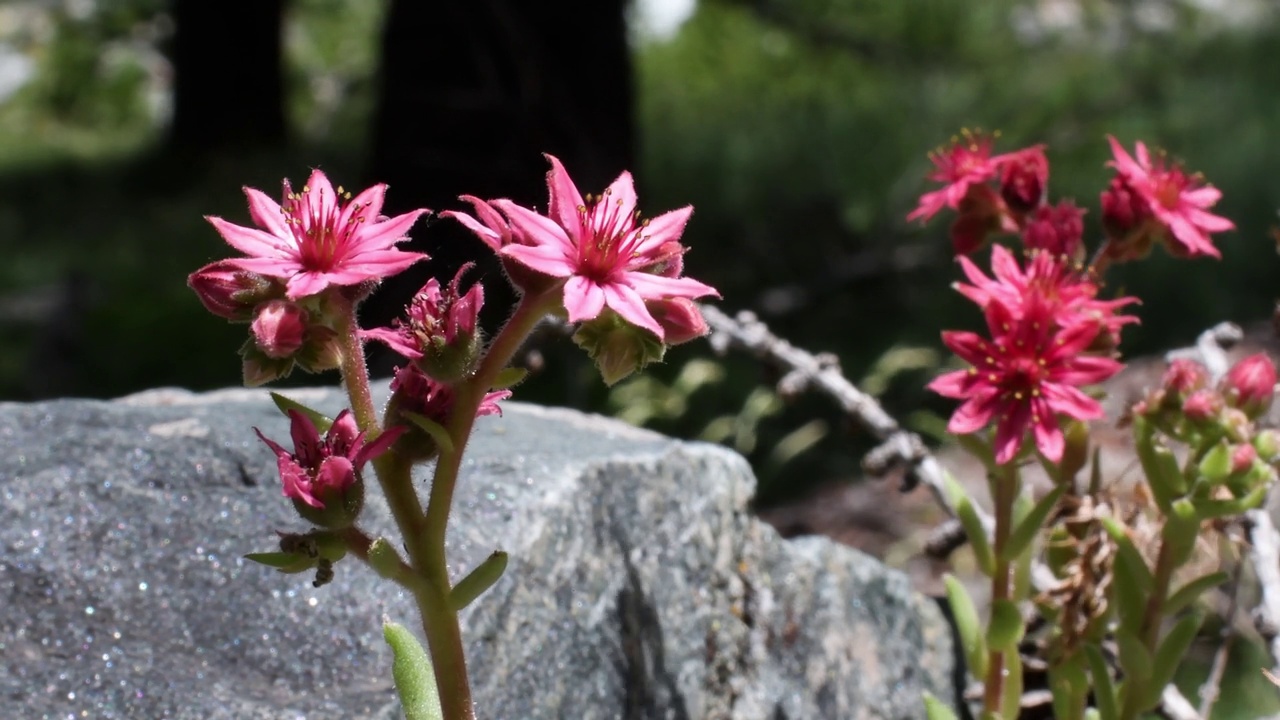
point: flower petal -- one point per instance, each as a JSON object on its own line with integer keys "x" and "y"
{"x": 628, "y": 303}
{"x": 251, "y": 241}
{"x": 536, "y": 229}
{"x": 565, "y": 199}
{"x": 365, "y": 207}
{"x": 267, "y": 213}
{"x": 583, "y": 299}
{"x": 667, "y": 227}
{"x": 657, "y": 287}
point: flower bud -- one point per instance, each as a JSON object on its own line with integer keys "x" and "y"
{"x": 1203, "y": 406}
{"x": 1242, "y": 457}
{"x": 1184, "y": 377}
{"x": 1124, "y": 218}
{"x": 232, "y": 293}
{"x": 1058, "y": 230}
{"x": 1250, "y": 385}
{"x": 1267, "y": 443}
{"x": 278, "y": 328}
{"x": 440, "y": 329}
{"x": 680, "y": 320}
{"x": 979, "y": 215}
{"x": 1024, "y": 176}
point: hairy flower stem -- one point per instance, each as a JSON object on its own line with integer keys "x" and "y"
{"x": 355, "y": 374}
{"x": 1004, "y": 490}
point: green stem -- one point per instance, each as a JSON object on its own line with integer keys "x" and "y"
{"x": 355, "y": 374}
{"x": 1004, "y": 490}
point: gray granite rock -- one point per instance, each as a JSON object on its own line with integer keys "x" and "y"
{"x": 639, "y": 584}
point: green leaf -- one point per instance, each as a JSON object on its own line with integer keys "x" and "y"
{"x": 1069, "y": 685}
{"x": 1132, "y": 581}
{"x": 289, "y": 563}
{"x": 973, "y": 528}
{"x": 478, "y": 580}
{"x": 1104, "y": 690}
{"x": 1215, "y": 466}
{"x": 321, "y": 421}
{"x": 1210, "y": 509}
{"x": 967, "y": 625}
{"x": 1026, "y": 530}
{"x": 1011, "y": 700}
{"x": 509, "y": 377}
{"x": 1135, "y": 659}
{"x": 1190, "y": 592}
{"x": 414, "y": 676}
{"x": 384, "y": 559}
{"x": 977, "y": 445}
{"x": 1005, "y": 628}
{"x": 935, "y": 709}
{"x": 1164, "y": 477}
{"x": 432, "y": 428}
{"x": 1169, "y": 654}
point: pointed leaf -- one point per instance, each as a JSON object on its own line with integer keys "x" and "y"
{"x": 973, "y": 527}
{"x": 1135, "y": 659}
{"x": 967, "y": 625}
{"x": 1169, "y": 654}
{"x": 1211, "y": 509}
{"x": 935, "y": 709}
{"x": 321, "y": 421}
{"x": 1069, "y": 684}
{"x": 1132, "y": 581}
{"x": 1189, "y": 593}
{"x": 432, "y": 428}
{"x": 289, "y": 563}
{"x": 1164, "y": 477}
{"x": 1011, "y": 701}
{"x": 1028, "y": 527}
{"x": 1215, "y": 466}
{"x": 414, "y": 676}
{"x": 478, "y": 580}
{"x": 509, "y": 377}
{"x": 1104, "y": 690}
{"x": 1005, "y": 628}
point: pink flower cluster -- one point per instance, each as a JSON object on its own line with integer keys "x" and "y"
{"x": 316, "y": 254}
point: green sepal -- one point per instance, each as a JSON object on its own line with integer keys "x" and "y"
{"x": 967, "y": 625}
{"x": 478, "y": 580}
{"x": 1190, "y": 592}
{"x": 432, "y": 428}
{"x": 321, "y": 421}
{"x": 973, "y": 528}
{"x": 290, "y": 563}
{"x": 1104, "y": 690}
{"x": 509, "y": 378}
{"x": 414, "y": 676}
{"x": 1168, "y": 655}
{"x": 1025, "y": 531}
{"x": 1135, "y": 659}
{"x": 1004, "y": 630}
{"x": 935, "y": 709}
{"x": 1215, "y": 466}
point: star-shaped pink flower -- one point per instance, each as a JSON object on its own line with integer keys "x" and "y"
{"x": 320, "y": 237}
{"x": 606, "y": 254}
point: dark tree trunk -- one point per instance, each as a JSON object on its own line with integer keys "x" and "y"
{"x": 228, "y": 83}
{"x": 473, "y": 92}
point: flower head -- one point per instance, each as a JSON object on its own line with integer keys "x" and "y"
{"x": 606, "y": 254}
{"x": 321, "y": 470}
{"x": 416, "y": 392}
{"x": 968, "y": 162}
{"x": 1024, "y": 178}
{"x": 439, "y": 327}
{"x": 1027, "y": 374}
{"x": 1177, "y": 201}
{"x": 320, "y": 237}
{"x": 1057, "y": 230}
{"x": 279, "y": 327}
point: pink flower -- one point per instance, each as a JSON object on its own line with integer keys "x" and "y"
{"x": 279, "y": 327}
{"x": 231, "y": 293}
{"x": 1184, "y": 376}
{"x": 415, "y": 392}
{"x": 1250, "y": 384}
{"x": 434, "y": 319}
{"x": 320, "y": 237}
{"x": 488, "y": 225}
{"x": 966, "y": 163}
{"x": 608, "y": 257}
{"x": 1203, "y": 406}
{"x": 1027, "y": 374}
{"x": 318, "y": 469}
{"x": 1057, "y": 230}
{"x": 1051, "y": 285}
{"x": 1176, "y": 200}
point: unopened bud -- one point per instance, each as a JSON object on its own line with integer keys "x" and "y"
{"x": 1203, "y": 406}
{"x": 278, "y": 328}
{"x": 1024, "y": 177}
{"x": 1250, "y": 385}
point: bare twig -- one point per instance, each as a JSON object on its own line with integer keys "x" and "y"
{"x": 1264, "y": 554}
{"x": 898, "y": 447}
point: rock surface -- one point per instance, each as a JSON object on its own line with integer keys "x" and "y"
{"x": 639, "y": 584}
